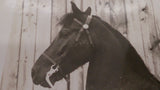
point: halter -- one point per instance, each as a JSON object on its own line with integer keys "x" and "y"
{"x": 55, "y": 67}
{"x": 85, "y": 28}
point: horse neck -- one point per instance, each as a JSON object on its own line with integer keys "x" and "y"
{"x": 109, "y": 57}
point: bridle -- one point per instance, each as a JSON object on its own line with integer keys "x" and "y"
{"x": 55, "y": 67}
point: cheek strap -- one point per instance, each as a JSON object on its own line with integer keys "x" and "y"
{"x": 85, "y": 28}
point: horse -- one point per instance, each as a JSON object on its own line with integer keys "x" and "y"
{"x": 114, "y": 64}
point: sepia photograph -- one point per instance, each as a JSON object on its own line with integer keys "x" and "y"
{"x": 79, "y": 45}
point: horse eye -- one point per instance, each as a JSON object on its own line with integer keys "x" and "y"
{"x": 64, "y": 32}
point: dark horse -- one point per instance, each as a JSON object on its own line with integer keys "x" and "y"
{"x": 114, "y": 64}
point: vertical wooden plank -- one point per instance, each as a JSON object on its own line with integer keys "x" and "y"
{"x": 76, "y": 79}
{"x": 85, "y": 71}
{"x": 148, "y": 30}
{"x": 43, "y": 31}
{"x": 134, "y": 28}
{"x": 57, "y": 12}
{"x": 13, "y": 26}
{"x": 156, "y": 6}
{"x": 77, "y": 2}
{"x": 113, "y": 12}
{"x": 146, "y": 23}
{"x": 102, "y": 8}
{"x": 89, "y": 3}
{"x": 27, "y": 45}
{"x": 118, "y": 18}
{"x": 143, "y": 23}
{"x": 4, "y": 29}
{"x": 156, "y": 55}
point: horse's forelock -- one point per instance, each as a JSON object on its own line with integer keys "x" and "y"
{"x": 66, "y": 19}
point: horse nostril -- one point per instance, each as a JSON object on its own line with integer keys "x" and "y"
{"x": 34, "y": 74}
{"x": 34, "y": 77}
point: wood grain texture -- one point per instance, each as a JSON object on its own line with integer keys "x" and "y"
{"x": 14, "y": 17}
{"x": 27, "y": 45}
{"x": 77, "y": 2}
{"x": 5, "y": 30}
{"x": 103, "y": 10}
{"x": 89, "y": 3}
{"x": 32, "y": 25}
{"x": 118, "y": 18}
{"x": 134, "y": 28}
{"x": 57, "y": 13}
{"x": 146, "y": 18}
{"x": 156, "y": 52}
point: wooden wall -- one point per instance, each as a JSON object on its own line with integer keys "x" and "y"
{"x": 28, "y": 27}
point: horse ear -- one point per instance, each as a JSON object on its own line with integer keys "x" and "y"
{"x": 75, "y": 9}
{"x": 88, "y": 11}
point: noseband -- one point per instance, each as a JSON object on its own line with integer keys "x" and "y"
{"x": 55, "y": 67}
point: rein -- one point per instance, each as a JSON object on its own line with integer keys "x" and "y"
{"x": 55, "y": 67}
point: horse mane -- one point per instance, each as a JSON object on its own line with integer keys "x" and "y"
{"x": 66, "y": 19}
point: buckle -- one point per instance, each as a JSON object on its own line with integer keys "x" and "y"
{"x": 53, "y": 69}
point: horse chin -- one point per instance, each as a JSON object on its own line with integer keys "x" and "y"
{"x": 55, "y": 77}
{"x": 45, "y": 84}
